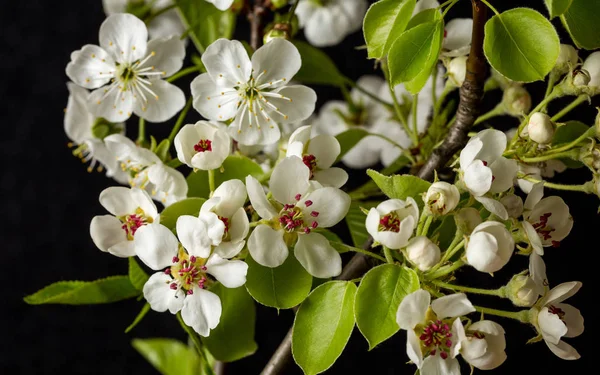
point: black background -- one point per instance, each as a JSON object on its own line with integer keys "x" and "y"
{"x": 48, "y": 200}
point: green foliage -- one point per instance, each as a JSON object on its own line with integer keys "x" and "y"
{"x": 317, "y": 67}
{"x": 162, "y": 150}
{"x": 581, "y": 21}
{"x": 189, "y": 206}
{"x": 233, "y": 338}
{"x": 355, "y": 219}
{"x": 234, "y": 167}
{"x": 379, "y": 294}
{"x": 169, "y": 357}
{"x": 384, "y": 22}
{"x": 427, "y": 15}
{"x": 569, "y": 132}
{"x": 323, "y": 326}
{"x": 110, "y": 289}
{"x": 400, "y": 186}
{"x": 557, "y": 7}
{"x": 137, "y": 275}
{"x": 528, "y": 38}
{"x": 140, "y": 316}
{"x": 205, "y": 23}
{"x": 282, "y": 287}
{"x": 349, "y": 139}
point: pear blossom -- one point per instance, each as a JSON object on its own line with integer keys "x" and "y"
{"x": 126, "y": 71}
{"x": 457, "y": 70}
{"x": 165, "y": 24}
{"x": 567, "y": 59}
{"x": 422, "y": 5}
{"x": 441, "y": 198}
{"x": 432, "y": 327}
{"x": 202, "y": 145}
{"x": 548, "y": 168}
{"x": 182, "y": 284}
{"x": 87, "y": 132}
{"x": 467, "y": 219}
{"x": 253, "y": 92}
{"x": 318, "y": 154}
{"x": 554, "y": 320}
{"x": 163, "y": 183}
{"x": 592, "y": 66}
{"x": 130, "y": 210}
{"x": 393, "y": 222}
{"x": 522, "y": 290}
{"x": 227, "y": 202}
{"x": 423, "y": 253}
{"x": 291, "y": 218}
{"x": 490, "y": 247}
{"x": 328, "y": 22}
{"x": 221, "y": 4}
{"x": 457, "y": 37}
{"x": 582, "y": 77}
{"x": 482, "y": 344}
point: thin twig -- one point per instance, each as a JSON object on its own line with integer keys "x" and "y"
{"x": 255, "y": 18}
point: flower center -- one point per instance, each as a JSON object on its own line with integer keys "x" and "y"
{"x": 557, "y": 311}
{"x": 188, "y": 272}
{"x": 436, "y": 336}
{"x": 390, "y": 222}
{"x": 203, "y": 145}
{"x": 311, "y": 162}
{"x": 291, "y": 217}
{"x": 133, "y": 222}
{"x": 542, "y": 227}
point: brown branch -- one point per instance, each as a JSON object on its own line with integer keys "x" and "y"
{"x": 471, "y": 96}
{"x": 255, "y": 18}
{"x": 220, "y": 368}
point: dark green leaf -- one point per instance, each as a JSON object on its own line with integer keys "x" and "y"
{"x": 317, "y": 67}
{"x": 137, "y": 275}
{"x": 189, "y": 206}
{"x": 557, "y": 7}
{"x": 581, "y": 21}
{"x": 355, "y": 219}
{"x": 205, "y": 23}
{"x": 349, "y": 139}
{"x": 425, "y": 16}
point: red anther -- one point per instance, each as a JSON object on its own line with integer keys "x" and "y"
{"x": 203, "y": 145}
{"x": 193, "y": 259}
{"x": 298, "y": 196}
{"x": 308, "y": 203}
{"x": 444, "y": 355}
{"x": 555, "y": 243}
{"x": 173, "y": 286}
{"x": 190, "y": 292}
{"x": 314, "y": 214}
{"x": 485, "y": 163}
{"x": 168, "y": 271}
{"x": 175, "y": 259}
{"x": 307, "y": 230}
{"x": 203, "y": 268}
{"x": 314, "y": 225}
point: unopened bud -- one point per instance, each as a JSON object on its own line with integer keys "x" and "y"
{"x": 423, "y": 253}
{"x": 441, "y": 198}
{"x": 567, "y": 58}
{"x": 457, "y": 70}
{"x": 517, "y": 100}
{"x": 278, "y": 31}
{"x": 467, "y": 219}
{"x": 581, "y": 77}
{"x": 541, "y": 128}
{"x": 592, "y": 67}
{"x": 522, "y": 291}
{"x": 513, "y": 204}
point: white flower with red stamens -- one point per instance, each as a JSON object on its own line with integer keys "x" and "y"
{"x": 254, "y": 93}
{"x": 432, "y": 343}
{"x": 547, "y": 221}
{"x": 490, "y": 247}
{"x": 482, "y": 344}
{"x": 555, "y": 320}
{"x": 227, "y": 203}
{"x": 441, "y": 198}
{"x": 187, "y": 266}
{"x": 163, "y": 183}
{"x": 292, "y": 217}
{"x": 126, "y": 71}
{"x": 221, "y": 4}
{"x": 318, "y": 154}
{"x": 327, "y": 23}
{"x": 202, "y": 145}
{"x": 484, "y": 169}
{"x": 87, "y": 133}
{"x": 545, "y": 169}
{"x": 130, "y": 209}
{"x": 393, "y": 222}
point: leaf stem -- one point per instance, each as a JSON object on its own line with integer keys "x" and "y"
{"x": 180, "y": 120}
{"x": 183, "y": 73}
{"x": 141, "y": 139}
{"x": 522, "y": 316}
{"x": 365, "y": 252}
{"x": 445, "y": 270}
{"x": 193, "y": 336}
{"x": 490, "y": 6}
{"x": 292, "y": 11}
{"x": 536, "y": 159}
{"x": 580, "y": 99}
{"x": 460, "y": 288}
{"x": 589, "y": 133}
{"x": 211, "y": 181}
{"x": 415, "y": 103}
{"x": 496, "y": 111}
{"x": 587, "y": 187}
{"x": 388, "y": 255}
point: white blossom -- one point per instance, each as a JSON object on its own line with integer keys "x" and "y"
{"x": 126, "y": 71}
{"x": 490, "y": 247}
{"x": 482, "y": 344}
{"x": 457, "y": 70}
{"x": 592, "y": 66}
{"x": 393, "y": 222}
{"x": 457, "y": 38}
{"x": 221, "y": 4}
{"x": 441, "y": 198}
{"x": 540, "y": 128}
{"x": 254, "y": 93}
{"x": 567, "y": 59}
{"x": 423, "y": 253}
{"x": 202, "y": 145}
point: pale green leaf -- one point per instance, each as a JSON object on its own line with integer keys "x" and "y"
{"x": 323, "y": 326}
{"x": 317, "y": 67}
{"x": 521, "y": 44}
{"x": 379, "y": 294}
{"x": 384, "y": 22}
{"x": 415, "y": 85}
{"x": 355, "y": 219}
{"x": 400, "y": 186}
{"x": 168, "y": 356}
{"x": 189, "y": 206}
{"x": 557, "y": 7}
{"x": 581, "y": 21}
{"x": 162, "y": 150}
{"x": 424, "y": 16}
{"x": 137, "y": 275}
{"x": 205, "y": 23}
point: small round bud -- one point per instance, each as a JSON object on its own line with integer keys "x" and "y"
{"x": 441, "y": 198}
{"x": 522, "y": 291}
{"x": 513, "y": 204}
{"x": 457, "y": 70}
{"x": 467, "y": 219}
{"x": 276, "y": 4}
{"x": 275, "y": 33}
{"x": 541, "y": 128}
{"x": 581, "y": 77}
{"x": 592, "y": 66}
{"x": 423, "y": 253}
{"x": 567, "y": 58}
{"x": 517, "y": 100}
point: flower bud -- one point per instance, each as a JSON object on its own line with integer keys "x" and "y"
{"x": 490, "y": 247}
{"x": 567, "y": 58}
{"x": 592, "y": 67}
{"x": 541, "y": 128}
{"x": 522, "y": 291}
{"x": 581, "y": 77}
{"x": 457, "y": 70}
{"x": 275, "y": 33}
{"x": 423, "y": 253}
{"x": 513, "y": 204}
{"x": 441, "y": 198}
{"x": 467, "y": 219}
{"x": 276, "y": 4}
{"x": 517, "y": 100}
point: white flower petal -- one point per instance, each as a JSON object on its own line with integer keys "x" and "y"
{"x": 168, "y": 101}
{"x": 561, "y": 292}
{"x": 125, "y": 37}
{"x": 323, "y": 27}
{"x": 238, "y": 225}
{"x": 469, "y": 152}
{"x": 362, "y": 155}
{"x": 202, "y": 311}
{"x": 258, "y": 199}
{"x": 118, "y": 200}
{"x": 296, "y": 102}
{"x": 494, "y": 143}
{"x": 230, "y": 273}
{"x": 234, "y": 196}
{"x": 214, "y": 226}
{"x": 193, "y": 234}
{"x": 114, "y": 106}
{"x": 227, "y": 63}
{"x": 160, "y": 296}
{"x": 91, "y": 67}
{"x": 106, "y": 232}
{"x": 155, "y": 245}
{"x": 535, "y": 196}
{"x": 169, "y": 54}
{"x": 221, "y": 4}
{"x": 325, "y": 148}
{"x": 413, "y": 348}
{"x": 212, "y": 101}
{"x": 289, "y": 178}
{"x": 572, "y": 319}
{"x": 317, "y": 256}
{"x": 564, "y": 350}
{"x": 458, "y": 35}
{"x": 478, "y": 178}
{"x": 330, "y": 204}
{"x": 504, "y": 172}
{"x": 114, "y": 6}
{"x": 276, "y": 62}
{"x": 78, "y": 120}
{"x": 334, "y": 177}
{"x": 493, "y": 206}
{"x": 451, "y": 306}
{"x": 436, "y": 365}
{"x": 229, "y": 249}
{"x": 551, "y": 326}
{"x": 533, "y": 238}
{"x": 412, "y": 309}
{"x": 267, "y": 246}
{"x": 537, "y": 272}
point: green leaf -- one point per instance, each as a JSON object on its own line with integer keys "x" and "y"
{"x": 355, "y": 219}
{"x": 379, "y": 294}
{"x": 162, "y": 150}
{"x": 205, "y": 23}
{"x": 528, "y": 38}
{"x": 384, "y": 22}
{"x": 233, "y": 338}
{"x": 445, "y": 232}
{"x": 424, "y": 16}
{"x": 139, "y": 317}
{"x": 189, "y": 206}
{"x": 137, "y": 275}
{"x": 234, "y": 167}
{"x": 169, "y": 357}
{"x": 349, "y": 139}
{"x": 557, "y": 7}
{"x": 400, "y": 186}
{"x": 317, "y": 67}
{"x": 581, "y": 21}
{"x": 332, "y": 237}
{"x": 282, "y": 287}
{"x": 569, "y": 132}
{"x": 323, "y": 326}
{"x": 414, "y": 51}
{"x": 110, "y": 289}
